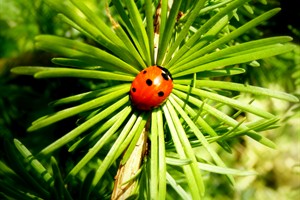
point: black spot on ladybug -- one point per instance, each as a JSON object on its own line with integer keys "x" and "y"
{"x": 165, "y": 76}
{"x": 149, "y": 82}
{"x": 133, "y": 90}
{"x": 161, "y": 94}
{"x": 144, "y": 72}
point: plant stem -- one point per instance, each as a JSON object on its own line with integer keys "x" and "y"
{"x": 125, "y": 180}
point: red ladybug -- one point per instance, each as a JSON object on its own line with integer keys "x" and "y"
{"x": 151, "y": 87}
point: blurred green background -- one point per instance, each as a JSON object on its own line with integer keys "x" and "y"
{"x": 23, "y": 99}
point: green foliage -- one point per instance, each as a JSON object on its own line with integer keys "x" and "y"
{"x": 204, "y": 113}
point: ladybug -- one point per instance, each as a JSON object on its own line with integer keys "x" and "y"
{"x": 151, "y": 87}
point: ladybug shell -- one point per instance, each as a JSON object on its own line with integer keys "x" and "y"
{"x": 151, "y": 87}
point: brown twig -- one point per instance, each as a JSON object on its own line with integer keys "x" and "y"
{"x": 124, "y": 186}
